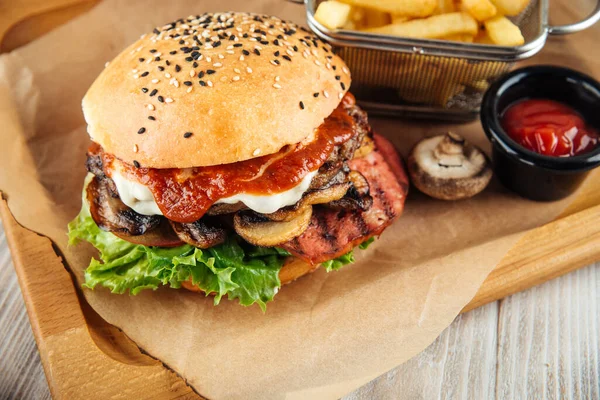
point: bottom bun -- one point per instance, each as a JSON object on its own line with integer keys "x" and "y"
{"x": 293, "y": 269}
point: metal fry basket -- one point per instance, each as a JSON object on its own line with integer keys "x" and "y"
{"x": 433, "y": 78}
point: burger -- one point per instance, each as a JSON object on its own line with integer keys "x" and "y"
{"x": 229, "y": 158}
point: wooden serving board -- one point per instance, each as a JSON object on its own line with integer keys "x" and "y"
{"x": 83, "y": 355}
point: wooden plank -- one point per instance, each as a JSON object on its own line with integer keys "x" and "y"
{"x": 69, "y": 333}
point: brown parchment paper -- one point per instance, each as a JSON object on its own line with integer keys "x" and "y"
{"x": 324, "y": 335}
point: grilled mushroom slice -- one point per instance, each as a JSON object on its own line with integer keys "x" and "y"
{"x": 260, "y": 231}
{"x": 357, "y": 197}
{"x": 112, "y": 215}
{"x": 447, "y": 167}
{"x": 204, "y": 233}
{"x": 225, "y": 208}
{"x": 161, "y": 236}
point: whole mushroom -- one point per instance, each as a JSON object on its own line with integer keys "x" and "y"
{"x": 447, "y": 167}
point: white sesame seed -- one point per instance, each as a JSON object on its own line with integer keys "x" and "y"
{"x": 134, "y": 71}
{"x": 201, "y": 57}
{"x": 189, "y": 89}
{"x": 341, "y": 95}
{"x": 242, "y": 57}
{"x": 217, "y": 65}
{"x": 208, "y": 59}
{"x": 274, "y": 63}
{"x": 345, "y": 70}
{"x": 305, "y": 55}
{"x": 236, "y": 70}
{"x": 328, "y": 66}
{"x": 193, "y": 73}
{"x": 151, "y": 107}
{"x": 249, "y": 70}
{"x": 230, "y": 47}
{"x": 208, "y": 46}
{"x": 167, "y": 75}
{"x": 253, "y": 39}
{"x": 176, "y": 84}
{"x": 106, "y": 64}
{"x": 314, "y": 52}
{"x": 168, "y": 100}
{"x": 325, "y": 93}
{"x": 256, "y": 152}
{"x": 221, "y": 56}
{"x": 135, "y": 148}
{"x": 209, "y": 83}
{"x": 277, "y": 78}
{"x": 257, "y": 47}
{"x": 290, "y": 53}
{"x": 136, "y": 76}
{"x": 277, "y": 86}
{"x": 154, "y": 81}
{"x": 236, "y": 78}
{"x": 148, "y": 61}
{"x": 317, "y": 62}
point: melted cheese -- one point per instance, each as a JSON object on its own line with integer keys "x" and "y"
{"x": 140, "y": 199}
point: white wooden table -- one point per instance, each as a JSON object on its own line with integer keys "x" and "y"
{"x": 543, "y": 343}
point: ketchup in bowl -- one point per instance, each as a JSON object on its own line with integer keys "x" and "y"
{"x": 549, "y": 128}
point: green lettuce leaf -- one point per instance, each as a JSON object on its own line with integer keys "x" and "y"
{"x": 235, "y": 269}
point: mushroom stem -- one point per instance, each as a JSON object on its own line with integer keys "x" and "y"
{"x": 449, "y": 152}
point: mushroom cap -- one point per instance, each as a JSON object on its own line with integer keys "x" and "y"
{"x": 447, "y": 167}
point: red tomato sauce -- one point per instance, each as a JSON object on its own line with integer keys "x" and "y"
{"x": 184, "y": 195}
{"x": 549, "y": 127}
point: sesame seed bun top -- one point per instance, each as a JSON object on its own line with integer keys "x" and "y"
{"x": 214, "y": 89}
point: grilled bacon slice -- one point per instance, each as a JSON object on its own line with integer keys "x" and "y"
{"x": 332, "y": 232}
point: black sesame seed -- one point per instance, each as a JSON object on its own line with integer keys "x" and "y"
{"x": 337, "y": 77}
{"x": 264, "y": 42}
{"x": 334, "y": 67}
{"x": 177, "y": 68}
{"x": 232, "y": 37}
{"x": 280, "y": 36}
{"x": 330, "y": 57}
{"x": 301, "y": 105}
{"x": 195, "y": 64}
{"x": 141, "y": 130}
{"x": 145, "y": 90}
{"x": 245, "y": 52}
{"x": 153, "y": 92}
{"x": 276, "y": 42}
{"x": 201, "y": 74}
{"x": 144, "y": 73}
{"x": 173, "y": 52}
{"x": 195, "y": 54}
{"x": 167, "y": 62}
{"x": 245, "y": 35}
{"x": 202, "y": 83}
{"x": 187, "y": 83}
{"x": 238, "y": 45}
{"x": 161, "y": 68}
{"x": 187, "y": 135}
{"x": 216, "y": 44}
{"x": 295, "y": 48}
{"x": 181, "y": 41}
{"x": 156, "y": 31}
{"x": 141, "y": 59}
{"x": 161, "y": 99}
{"x": 189, "y": 59}
{"x": 257, "y": 52}
{"x": 316, "y": 94}
{"x": 137, "y": 164}
{"x": 343, "y": 85}
{"x": 156, "y": 58}
{"x": 195, "y": 48}
{"x": 210, "y": 71}
{"x": 276, "y": 62}
{"x": 276, "y": 53}
{"x": 287, "y": 57}
{"x": 153, "y": 51}
{"x": 151, "y": 118}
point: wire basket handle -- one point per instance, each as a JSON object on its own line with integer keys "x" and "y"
{"x": 577, "y": 26}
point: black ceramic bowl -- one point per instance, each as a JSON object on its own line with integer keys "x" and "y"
{"x": 532, "y": 175}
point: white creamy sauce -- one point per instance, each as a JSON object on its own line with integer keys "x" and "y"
{"x": 140, "y": 199}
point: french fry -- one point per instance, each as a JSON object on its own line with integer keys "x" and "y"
{"x": 503, "y": 32}
{"x": 445, "y": 7}
{"x": 410, "y": 8}
{"x": 375, "y": 18}
{"x": 481, "y": 10}
{"x": 480, "y": 86}
{"x": 483, "y": 38}
{"x": 398, "y": 19}
{"x": 332, "y": 14}
{"x": 435, "y": 27}
{"x": 466, "y": 38}
{"x": 511, "y": 7}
